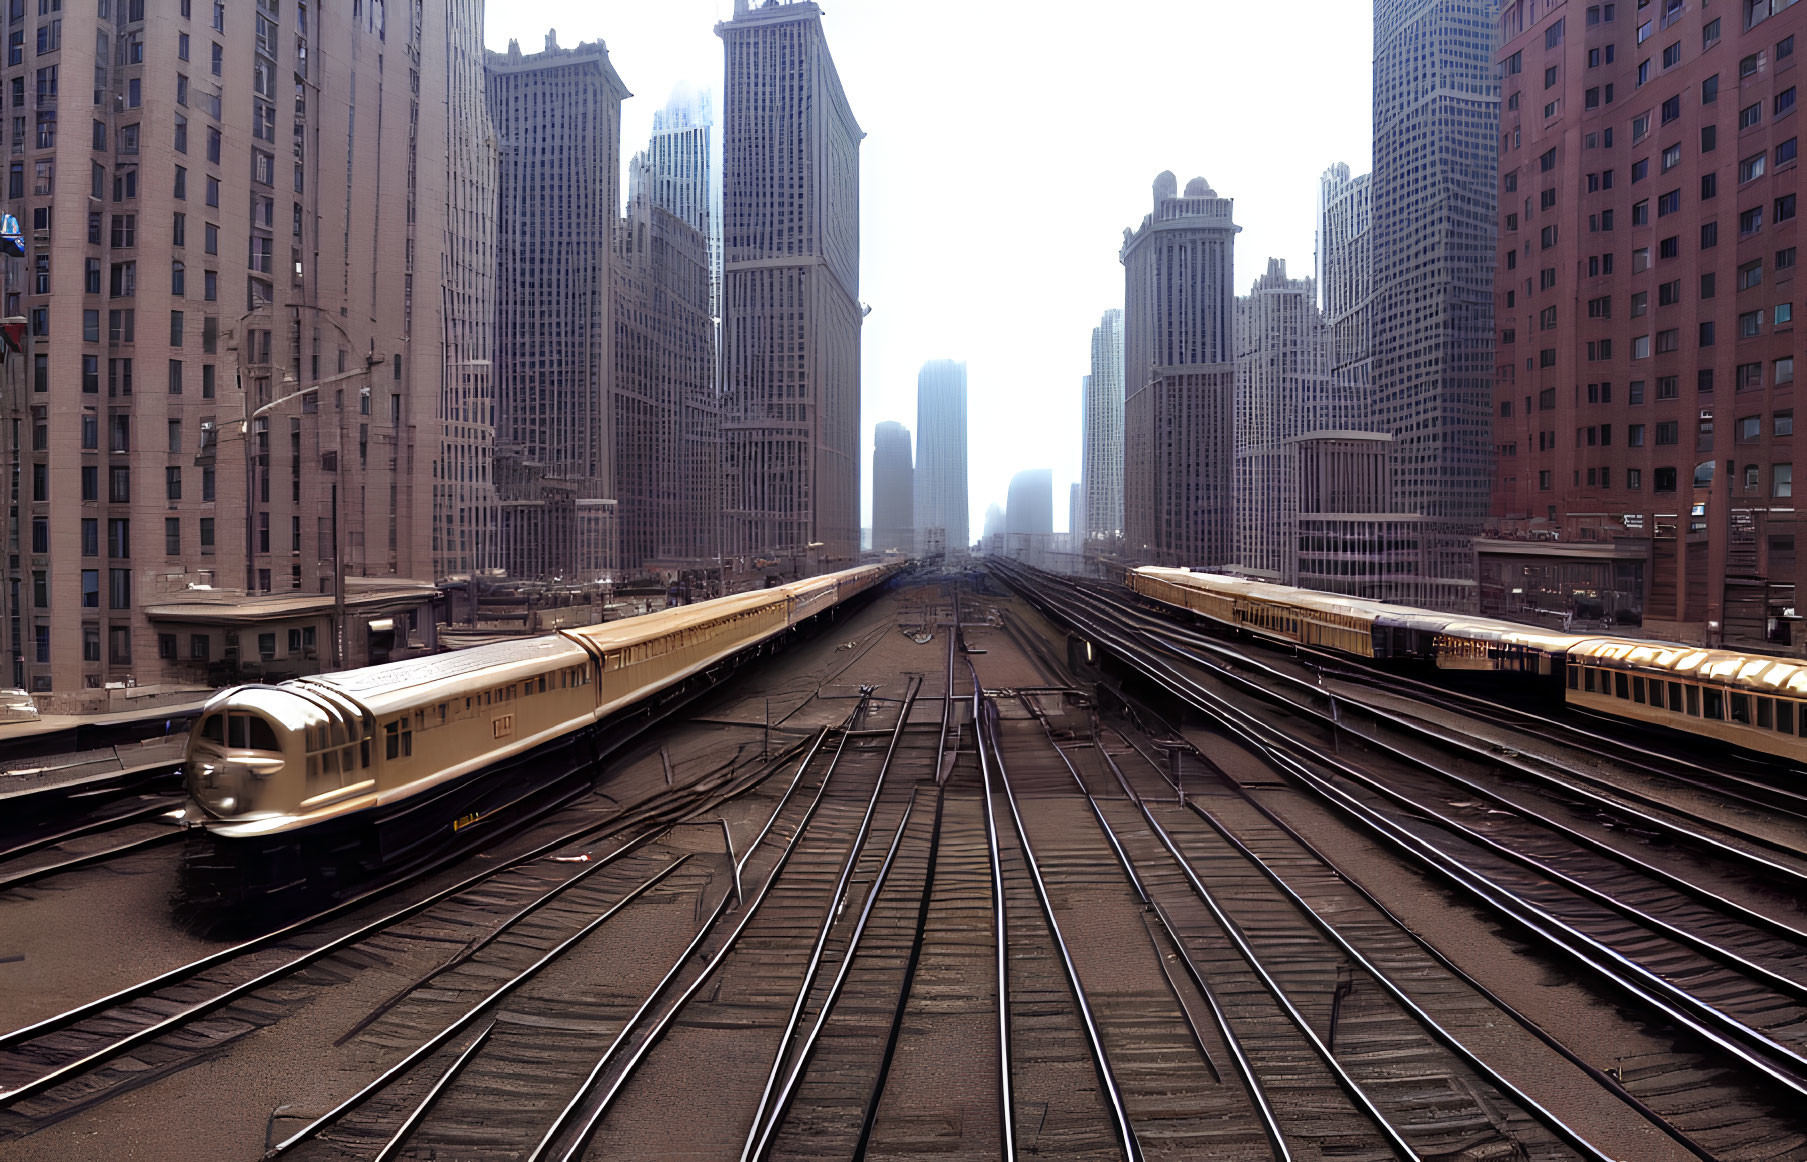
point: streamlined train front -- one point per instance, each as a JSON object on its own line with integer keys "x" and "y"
{"x": 247, "y": 754}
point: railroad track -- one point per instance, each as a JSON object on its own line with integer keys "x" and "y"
{"x": 63, "y": 1064}
{"x": 559, "y": 1096}
{"x": 1741, "y": 788}
{"x": 1716, "y": 970}
{"x": 1749, "y": 780}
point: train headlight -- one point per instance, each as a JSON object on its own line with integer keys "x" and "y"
{"x": 226, "y": 804}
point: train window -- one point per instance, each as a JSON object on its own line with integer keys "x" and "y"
{"x": 1713, "y": 703}
{"x": 392, "y": 743}
{"x": 364, "y": 753}
{"x": 1784, "y": 716}
{"x": 1741, "y": 708}
{"x": 249, "y": 732}
{"x": 346, "y": 758}
{"x": 211, "y": 730}
{"x": 1575, "y": 677}
{"x": 1675, "y": 696}
{"x": 1656, "y": 693}
{"x": 1693, "y": 700}
{"x": 1587, "y": 677}
{"x": 1766, "y": 713}
{"x": 1621, "y": 687}
{"x": 329, "y": 763}
{"x": 1637, "y": 688}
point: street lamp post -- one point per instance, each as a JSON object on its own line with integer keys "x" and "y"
{"x": 251, "y": 458}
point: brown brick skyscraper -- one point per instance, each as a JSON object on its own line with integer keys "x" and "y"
{"x": 1644, "y": 410}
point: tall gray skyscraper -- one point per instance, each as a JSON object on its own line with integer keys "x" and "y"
{"x": 1029, "y": 509}
{"x": 666, "y": 420}
{"x": 1101, "y": 463}
{"x": 464, "y": 491}
{"x": 790, "y": 287}
{"x": 941, "y": 503}
{"x": 1345, "y": 271}
{"x": 557, "y": 116}
{"x": 1435, "y": 194}
{"x": 893, "y": 489}
{"x": 678, "y": 171}
{"x": 1179, "y": 378}
{"x": 1283, "y": 391}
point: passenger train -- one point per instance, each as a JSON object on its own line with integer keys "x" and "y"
{"x": 326, "y": 780}
{"x": 1754, "y": 701}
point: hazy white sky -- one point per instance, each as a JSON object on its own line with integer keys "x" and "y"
{"x": 1008, "y": 144}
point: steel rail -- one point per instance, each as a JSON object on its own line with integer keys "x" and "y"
{"x": 1649, "y": 989}
{"x": 471, "y": 949}
{"x": 1107, "y": 1077}
{"x": 434, "y": 1043}
{"x": 88, "y": 859}
{"x": 869, "y": 1119}
{"x": 1610, "y": 1083}
{"x": 1348, "y": 1084}
{"x": 89, "y": 1008}
{"x": 1713, "y": 899}
{"x": 1251, "y": 1080}
{"x": 829, "y": 916}
{"x": 659, "y": 1028}
{"x": 394, "y": 1145}
{"x": 1503, "y": 714}
{"x": 1716, "y": 847}
{"x": 262, "y": 979}
{"x": 144, "y": 811}
{"x": 1430, "y": 1024}
{"x": 781, "y": 1105}
{"x": 1001, "y": 939}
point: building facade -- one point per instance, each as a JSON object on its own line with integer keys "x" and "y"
{"x": 1179, "y": 378}
{"x": 942, "y": 512}
{"x": 666, "y": 422}
{"x": 210, "y": 441}
{"x": 678, "y": 170}
{"x": 557, "y": 116}
{"x": 1435, "y": 198}
{"x": 791, "y": 314}
{"x": 1644, "y": 407}
{"x": 893, "y": 489}
{"x": 1101, "y": 455}
{"x": 1283, "y": 390}
{"x": 1029, "y": 507}
{"x": 1345, "y": 274}
{"x": 463, "y": 472}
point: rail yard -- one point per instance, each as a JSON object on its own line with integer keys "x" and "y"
{"x": 994, "y": 864}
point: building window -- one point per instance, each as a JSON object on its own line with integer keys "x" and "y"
{"x": 1781, "y": 480}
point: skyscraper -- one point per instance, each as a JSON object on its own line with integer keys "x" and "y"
{"x": 1436, "y": 144}
{"x": 1283, "y": 391}
{"x": 677, "y": 171}
{"x": 1648, "y": 350}
{"x": 557, "y": 116}
{"x": 1101, "y": 462}
{"x": 666, "y": 420}
{"x": 790, "y": 287}
{"x": 1029, "y": 509}
{"x": 942, "y": 514}
{"x": 464, "y": 491}
{"x": 1179, "y": 378}
{"x": 1345, "y": 274}
{"x": 233, "y": 374}
{"x": 893, "y": 487}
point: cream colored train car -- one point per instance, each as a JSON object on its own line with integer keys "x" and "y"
{"x": 1753, "y": 701}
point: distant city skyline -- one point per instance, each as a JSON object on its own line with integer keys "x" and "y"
{"x": 1022, "y": 324}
